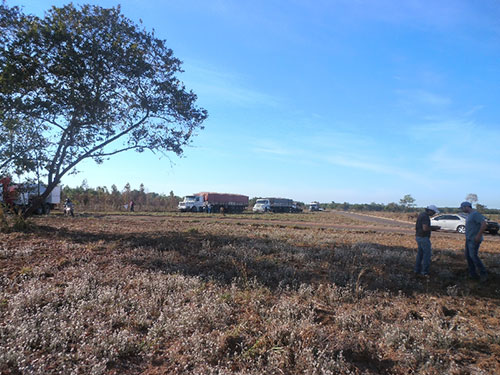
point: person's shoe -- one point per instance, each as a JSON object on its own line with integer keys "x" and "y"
{"x": 483, "y": 278}
{"x": 422, "y": 276}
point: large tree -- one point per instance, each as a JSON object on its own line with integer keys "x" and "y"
{"x": 19, "y": 140}
{"x": 472, "y": 198}
{"x": 407, "y": 201}
{"x": 87, "y": 83}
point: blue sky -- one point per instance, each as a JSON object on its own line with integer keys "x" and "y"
{"x": 343, "y": 100}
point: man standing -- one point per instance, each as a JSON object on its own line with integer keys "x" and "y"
{"x": 475, "y": 225}
{"x": 423, "y": 237}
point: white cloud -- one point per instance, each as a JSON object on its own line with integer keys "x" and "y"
{"x": 473, "y": 110}
{"x": 459, "y": 135}
{"x": 269, "y": 147}
{"x": 383, "y": 168}
{"x": 225, "y": 87}
{"x": 422, "y": 97}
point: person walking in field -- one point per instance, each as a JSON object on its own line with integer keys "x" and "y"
{"x": 423, "y": 237}
{"x": 475, "y": 225}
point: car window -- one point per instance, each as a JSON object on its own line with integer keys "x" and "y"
{"x": 448, "y": 217}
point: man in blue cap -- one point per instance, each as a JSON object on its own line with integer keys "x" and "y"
{"x": 423, "y": 237}
{"x": 475, "y": 225}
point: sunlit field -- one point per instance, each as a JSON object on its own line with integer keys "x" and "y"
{"x": 311, "y": 293}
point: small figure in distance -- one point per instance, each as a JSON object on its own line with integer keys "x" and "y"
{"x": 423, "y": 238}
{"x": 131, "y": 206}
{"x": 475, "y": 225}
{"x": 69, "y": 208}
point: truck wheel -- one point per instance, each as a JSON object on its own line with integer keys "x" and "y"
{"x": 194, "y": 209}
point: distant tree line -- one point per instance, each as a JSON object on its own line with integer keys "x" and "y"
{"x": 395, "y": 207}
{"x": 103, "y": 199}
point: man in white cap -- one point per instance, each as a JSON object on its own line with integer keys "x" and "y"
{"x": 475, "y": 225}
{"x": 423, "y": 237}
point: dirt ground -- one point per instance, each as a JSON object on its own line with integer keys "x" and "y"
{"x": 313, "y": 293}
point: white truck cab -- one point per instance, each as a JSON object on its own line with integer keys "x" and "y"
{"x": 262, "y": 205}
{"x": 192, "y": 203}
{"x": 314, "y": 206}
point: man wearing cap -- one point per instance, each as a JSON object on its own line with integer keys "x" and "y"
{"x": 475, "y": 225}
{"x": 423, "y": 237}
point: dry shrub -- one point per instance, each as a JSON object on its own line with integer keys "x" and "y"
{"x": 107, "y": 296}
{"x": 4, "y": 225}
{"x": 12, "y": 222}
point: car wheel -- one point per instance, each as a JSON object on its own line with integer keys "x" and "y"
{"x": 461, "y": 229}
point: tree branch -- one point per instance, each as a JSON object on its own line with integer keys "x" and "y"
{"x": 90, "y": 153}
{"x": 116, "y": 151}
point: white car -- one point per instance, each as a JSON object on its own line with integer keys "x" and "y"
{"x": 451, "y": 222}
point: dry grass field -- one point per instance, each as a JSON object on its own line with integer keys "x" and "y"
{"x": 245, "y": 294}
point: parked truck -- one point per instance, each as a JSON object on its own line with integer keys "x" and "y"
{"x": 20, "y": 197}
{"x": 275, "y": 205}
{"x": 314, "y": 206}
{"x": 213, "y": 202}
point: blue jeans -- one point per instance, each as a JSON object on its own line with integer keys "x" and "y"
{"x": 424, "y": 254}
{"x": 473, "y": 261}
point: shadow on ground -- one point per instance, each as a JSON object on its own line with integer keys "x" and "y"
{"x": 274, "y": 263}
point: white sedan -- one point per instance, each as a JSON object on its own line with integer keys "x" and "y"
{"x": 452, "y": 222}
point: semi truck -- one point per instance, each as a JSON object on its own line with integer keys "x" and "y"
{"x": 275, "y": 205}
{"x": 213, "y": 202}
{"x": 314, "y": 206}
{"x": 20, "y": 197}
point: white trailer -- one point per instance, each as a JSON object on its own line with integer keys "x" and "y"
{"x": 275, "y": 205}
{"x": 26, "y": 194}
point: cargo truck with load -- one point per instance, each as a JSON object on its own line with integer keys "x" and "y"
{"x": 275, "y": 205}
{"x": 213, "y": 202}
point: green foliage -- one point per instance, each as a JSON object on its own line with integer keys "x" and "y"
{"x": 101, "y": 199}
{"x": 407, "y": 201}
{"x": 480, "y": 207}
{"x": 471, "y": 197}
{"x": 346, "y": 206}
{"x": 12, "y": 222}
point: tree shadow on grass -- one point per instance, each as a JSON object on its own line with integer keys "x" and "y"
{"x": 274, "y": 263}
